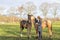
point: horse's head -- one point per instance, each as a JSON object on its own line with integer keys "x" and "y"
{"x": 31, "y": 18}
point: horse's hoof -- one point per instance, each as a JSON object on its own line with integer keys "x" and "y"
{"x": 28, "y": 38}
{"x": 36, "y": 37}
{"x": 21, "y": 35}
{"x": 50, "y": 36}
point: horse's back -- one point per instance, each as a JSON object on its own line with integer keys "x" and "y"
{"x": 46, "y": 23}
{"x": 23, "y": 23}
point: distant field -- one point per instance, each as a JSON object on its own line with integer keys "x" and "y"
{"x": 11, "y": 31}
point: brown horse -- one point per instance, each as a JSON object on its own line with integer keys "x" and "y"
{"x": 45, "y": 24}
{"x": 26, "y": 24}
{"x": 48, "y": 24}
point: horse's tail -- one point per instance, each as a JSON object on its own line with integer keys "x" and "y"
{"x": 51, "y": 31}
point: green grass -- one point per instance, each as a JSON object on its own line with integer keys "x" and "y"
{"x": 12, "y": 32}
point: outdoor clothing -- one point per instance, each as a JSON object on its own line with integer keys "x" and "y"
{"x": 39, "y": 29}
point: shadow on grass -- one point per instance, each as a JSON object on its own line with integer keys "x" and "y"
{"x": 15, "y": 30}
{"x": 9, "y": 38}
{"x": 48, "y": 38}
{"x": 24, "y": 38}
{"x": 15, "y": 38}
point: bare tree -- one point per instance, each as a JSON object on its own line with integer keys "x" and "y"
{"x": 11, "y": 11}
{"x": 2, "y": 10}
{"x": 20, "y": 9}
{"x": 55, "y": 12}
{"x": 44, "y": 8}
{"x": 30, "y": 7}
{"x": 55, "y": 7}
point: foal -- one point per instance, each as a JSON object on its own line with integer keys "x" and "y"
{"x": 26, "y": 24}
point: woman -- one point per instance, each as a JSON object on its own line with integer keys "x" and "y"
{"x": 39, "y": 23}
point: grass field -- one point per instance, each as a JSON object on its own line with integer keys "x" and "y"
{"x": 12, "y": 32}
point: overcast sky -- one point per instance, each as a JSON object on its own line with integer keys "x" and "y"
{"x": 19, "y": 2}
{"x": 14, "y": 3}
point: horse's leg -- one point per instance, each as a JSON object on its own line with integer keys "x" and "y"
{"x": 50, "y": 30}
{"x": 29, "y": 31}
{"x": 35, "y": 25}
{"x": 21, "y": 29}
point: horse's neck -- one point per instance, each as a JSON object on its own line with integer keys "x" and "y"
{"x": 31, "y": 18}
